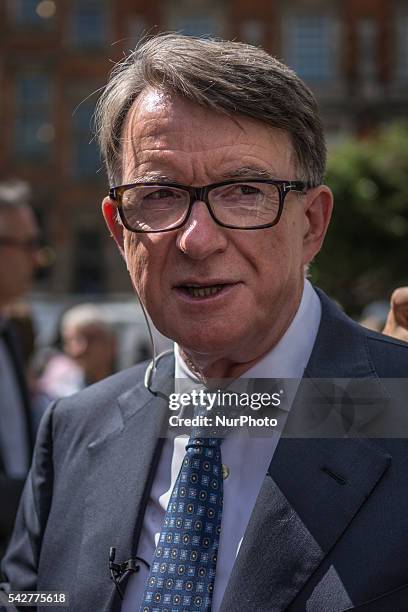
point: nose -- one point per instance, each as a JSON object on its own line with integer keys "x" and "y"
{"x": 42, "y": 257}
{"x": 201, "y": 236}
{"x": 34, "y": 260}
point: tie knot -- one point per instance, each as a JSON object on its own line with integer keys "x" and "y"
{"x": 197, "y": 443}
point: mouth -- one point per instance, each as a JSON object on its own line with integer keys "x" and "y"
{"x": 201, "y": 291}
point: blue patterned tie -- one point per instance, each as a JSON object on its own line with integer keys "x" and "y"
{"x": 183, "y": 569}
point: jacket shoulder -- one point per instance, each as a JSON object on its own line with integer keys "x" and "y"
{"x": 345, "y": 349}
{"x": 389, "y": 355}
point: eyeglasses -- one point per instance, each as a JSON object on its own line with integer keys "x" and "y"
{"x": 236, "y": 204}
{"x": 31, "y": 244}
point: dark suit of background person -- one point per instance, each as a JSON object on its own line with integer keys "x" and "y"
{"x": 18, "y": 260}
{"x": 314, "y": 542}
{"x": 329, "y": 528}
{"x": 11, "y": 486}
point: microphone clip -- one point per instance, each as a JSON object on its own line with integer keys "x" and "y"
{"x": 120, "y": 571}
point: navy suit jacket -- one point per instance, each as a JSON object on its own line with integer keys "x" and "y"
{"x": 329, "y": 531}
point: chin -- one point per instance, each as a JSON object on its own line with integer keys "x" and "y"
{"x": 214, "y": 342}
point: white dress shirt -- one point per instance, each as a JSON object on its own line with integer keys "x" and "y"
{"x": 247, "y": 458}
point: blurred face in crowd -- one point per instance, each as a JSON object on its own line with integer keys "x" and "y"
{"x": 93, "y": 349}
{"x": 19, "y": 257}
{"x": 257, "y": 276}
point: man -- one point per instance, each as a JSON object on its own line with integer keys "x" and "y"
{"x": 89, "y": 346}
{"x": 216, "y": 155}
{"x": 19, "y": 259}
{"x": 89, "y": 341}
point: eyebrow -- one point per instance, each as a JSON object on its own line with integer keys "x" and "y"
{"x": 154, "y": 177}
{"x": 244, "y": 172}
{"x": 249, "y": 172}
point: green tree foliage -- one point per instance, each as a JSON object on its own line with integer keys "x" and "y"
{"x": 365, "y": 254}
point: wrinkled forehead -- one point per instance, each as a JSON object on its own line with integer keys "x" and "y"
{"x": 154, "y": 105}
{"x": 159, "y": 121}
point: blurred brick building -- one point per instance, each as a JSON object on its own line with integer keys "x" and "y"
{"x": 56, "y": 54}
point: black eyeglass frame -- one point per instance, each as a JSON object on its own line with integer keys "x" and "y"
{"x": 201, "y": 194}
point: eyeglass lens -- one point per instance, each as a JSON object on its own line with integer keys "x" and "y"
{"x": 239, "y": 205}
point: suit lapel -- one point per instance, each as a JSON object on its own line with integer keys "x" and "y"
{"x": 301, "y": 512}
{"x": 313, "y": 489}
{"x": 122, "y": 461}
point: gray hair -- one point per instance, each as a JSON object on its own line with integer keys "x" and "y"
{"x": 14, "y": 193}
{"x": 227, "y": 77}
{"x": 85, "y": 315}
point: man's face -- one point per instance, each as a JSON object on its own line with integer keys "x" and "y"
{"x": 261, "y": 271}
{"x": 89, "y": 345}
{"x": 17, "y": 263}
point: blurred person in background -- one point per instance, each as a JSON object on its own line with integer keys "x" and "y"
{"x": 89, "y": 352}
{"x": 19, "y": 259}
{"x": 374, "y": 315}
{"x": 397, "y": 320}
{"x": 21, "y": 318}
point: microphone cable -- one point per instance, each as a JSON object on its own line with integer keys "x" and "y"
{"x": 152, "y": 366}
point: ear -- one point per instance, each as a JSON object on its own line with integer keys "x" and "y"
{"x": 110, "y": 214}
{"x": 318, "y": 210}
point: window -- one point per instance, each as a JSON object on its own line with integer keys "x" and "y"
{"x": 252, "y": 31}
{"x": 34, "y": 132}
{"x": 86, "y": 159}
{"x": 89, "y": 23}
{"x": 196, "y": 25}
{"x": 136, "y": 27}
{"x": 367, "y": 47}
{"x": 309, "y": 46}
{"x": 402, "y": 48}
{"x": 198, "y": 18}
{"x": 32, "y": 13}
